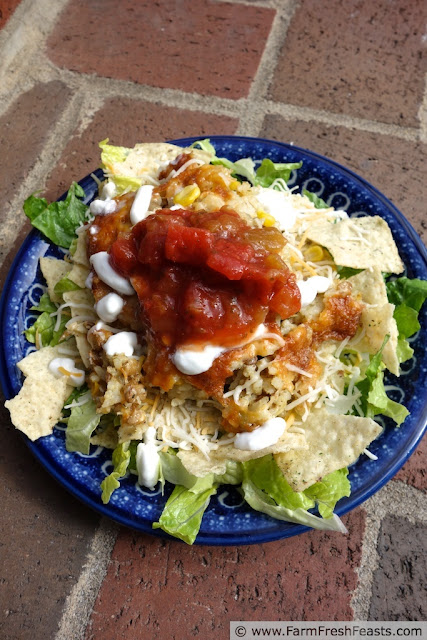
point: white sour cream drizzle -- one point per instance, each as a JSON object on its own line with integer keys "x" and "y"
{"x": 124, "y": 342}
{"x": 101, "y": 263}
{"x": 192, "y": 361}
{"x": 148, "y": 460}
{"x": 262, "y": 437}
{"x": 108, "y": 191}
{"x": 311, "y": 287}
{"x": 139, "y": 209}
{"x": 278, "y": 205}
{"x": 60, "y": 367}
{"x": 109, "y": 307}
{"x": 102, "y": 207}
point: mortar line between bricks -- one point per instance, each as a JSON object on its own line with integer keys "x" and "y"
{"x": 266, "y": 68}
{"x": 24, "y": 34}
{"x": 111, "y": 88}
{"x": 397, "y": 499}
{"x": 422, "y": 114}
{"x": 81, "y": 600}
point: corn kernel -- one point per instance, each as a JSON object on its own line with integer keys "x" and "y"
{"x": 314, "y": 253}
{"x": 267, "y": 219}
{"x": 234, "y": 185}
{"x": 187, "y": 195}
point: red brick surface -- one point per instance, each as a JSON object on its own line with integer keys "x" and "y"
{"x": 158, "y": 589}
{"x": 414, "y": 472}
{"x": 126, "y": 122}
{"x": 23, "y": 129}
{"x": 44, "y": 535}
{"x": 359, "y": 58}
{"x": 212, "y": 48}
{"x": 395, "y": 166}
{"x": 7, "y": 7}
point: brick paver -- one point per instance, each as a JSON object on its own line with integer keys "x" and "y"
{"x": 149, "y": 123}
{"x": 23, "y": 129}
{"x": 308, "y": 577}
{"x": 45, "y": 534}
{"x": 399, "y": 582}
{"x": 358, "y": 58}
{"x": 212, "y": 48}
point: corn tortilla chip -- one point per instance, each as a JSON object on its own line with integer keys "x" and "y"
{"x": 377, "y": 320}
{"x": 28, "y": 413}
{"x": 53, "y": 271}
{"x": 334, "y": 442}
{"x": 78, "y": 329}
{"x": 79, "y": 274}
{"x": 197, "y": 464}
{"x": 360, "y": 243}
{"x": 80, "y": 254}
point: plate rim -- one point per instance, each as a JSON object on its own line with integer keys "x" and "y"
{"x": 220, "y": 538}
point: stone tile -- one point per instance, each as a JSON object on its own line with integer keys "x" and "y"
{"x": 359, "y": 58}
{"x": 398, "y": 591}
{"x": 7, "y": 8}
{"x": 126, "y": 122}
{"x": 414, "y": 471}
{"x": 167, "y": 590}
{"x": 44, "y": 535}
{"x": 395, "y": 166}
{"x": 23, "y": 131}
{"x": 167, "y": 44}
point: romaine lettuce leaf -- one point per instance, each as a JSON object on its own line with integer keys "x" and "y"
{"x": 183, "y": 513}
{"x": 329, "y": 490}
{"x": 269, "y": 171}
{"x": 174, "y": 472}
{"x": 44, "y": 327}
{"x": 318, "y": 202}
{"x": 121, "y": 458}
{"x": 65, "y": 284}
{"x": 408, "y": 296}
{"x": 81, "y": 424}
{"x": 261, "y": 501}
{"x": 58, "y": 221}
{"x": 373, "y": 399}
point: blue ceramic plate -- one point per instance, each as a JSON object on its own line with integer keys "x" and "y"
{"x": 227, "y": 521}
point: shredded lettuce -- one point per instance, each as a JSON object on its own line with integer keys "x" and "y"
{"x": 373, "y": 399}
{"x": 347, "y": 272}
{"x": 111, "y": 155}
{"x": 58, "y": 221}
{"x": 329, "y": 490}
{"x": 44, "y": 327}
{"x": 318, "y": 202}
{"x": 65, "y": 284}
{"x": 121, "y": 458}
{"x": 183, "y": 513}
{"x": 174, "y": 472}
{"x": 408, "y": 295}
{"x": 81, "y": 424}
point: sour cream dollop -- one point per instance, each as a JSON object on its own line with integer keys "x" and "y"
{"x": 262, "y": 437}
{"x": 124, "y": 342}
{"x": 109, "y": 307}
{"x": 60, "y": 367}
{"x": 139, "y": 209}
{"x": 101, "y": 263}
{"x": 148, "y": 460}
{"x": 311, "y": 287}
{"x": 102, "y": 207}
{"x": 278, "y": 205}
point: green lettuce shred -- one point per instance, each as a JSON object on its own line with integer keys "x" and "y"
{"x": 318, "y": 202}
{"x": 183, "y": 513}
{"x": 44, "y": 326}
{"x": 121, "y": 458}
{"x": 81, "y": 424}
{"x": 58, "y": 221}
{"x": 408, "y": 295}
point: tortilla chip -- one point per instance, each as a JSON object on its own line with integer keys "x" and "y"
{"x": 78, "y": 329}
{"x": 53, "y": 271}
{"x": 79, "y": 274}
{"x": 28, "y": 413}
{"x": 106, "y": 438}
{"x": 196, "y": 462}
{"x": 334, "y": 442}
{"x": 360, "y": 243}
{"x": 80, "y": 254}
{"x": 377, "y": 320}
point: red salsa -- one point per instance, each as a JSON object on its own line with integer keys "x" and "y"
{"x": 205, "y": 277}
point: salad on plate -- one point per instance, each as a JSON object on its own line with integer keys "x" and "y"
{"x": 211, "y": 326}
